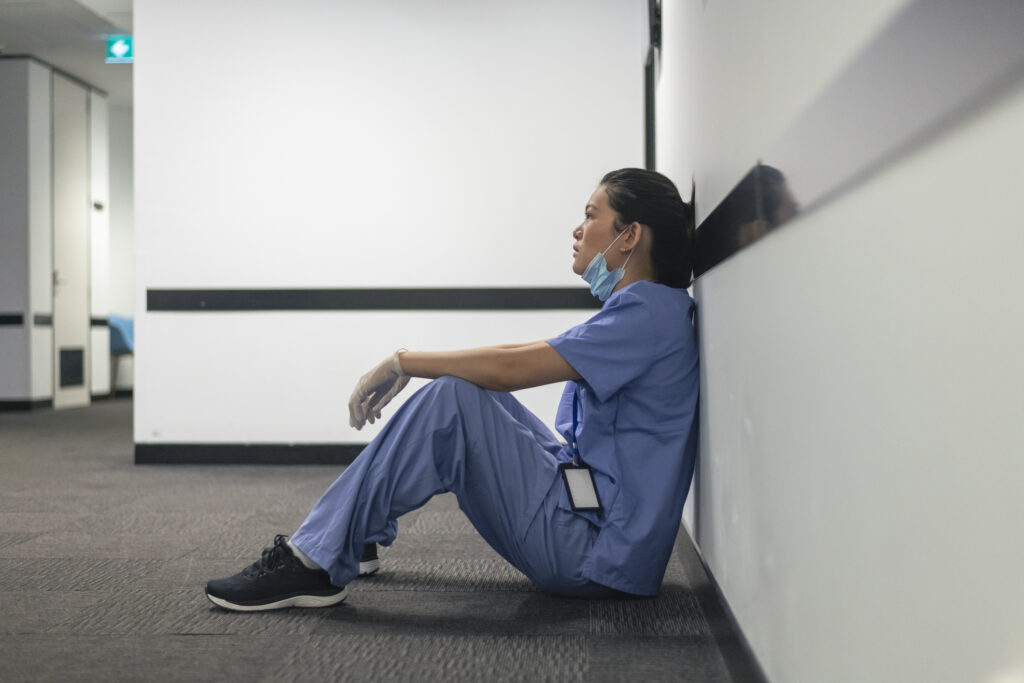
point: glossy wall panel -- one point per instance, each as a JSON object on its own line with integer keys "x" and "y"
{"x": 861, "y": 370}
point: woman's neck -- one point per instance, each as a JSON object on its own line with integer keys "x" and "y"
{"x": 634, "y": 275}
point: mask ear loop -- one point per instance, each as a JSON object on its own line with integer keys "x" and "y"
{"x": 628, "y": 256}
{"x": 613, "y": 243}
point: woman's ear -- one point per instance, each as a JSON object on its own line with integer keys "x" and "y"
{"x": 634, "y": 233}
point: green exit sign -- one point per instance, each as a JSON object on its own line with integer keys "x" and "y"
{"x": 120, "y": 49}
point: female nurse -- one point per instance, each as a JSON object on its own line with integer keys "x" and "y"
{"x": 592, "y": 517}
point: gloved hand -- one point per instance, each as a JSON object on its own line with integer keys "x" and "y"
{"x": 374, "y": 390}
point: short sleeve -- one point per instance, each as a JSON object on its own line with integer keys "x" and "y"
{"x": 614, "y": 347}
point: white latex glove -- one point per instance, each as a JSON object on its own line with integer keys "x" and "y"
{"x": 375, "y": 389}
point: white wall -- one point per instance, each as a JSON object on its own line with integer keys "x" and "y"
{"x": 40, "y": 200}
{"x": 858, "y": 497}
{"x": 27, "y": 227}
{"x": 26, "y": 356}
{"x": 99, "y": 241}
{"x": 122, "y": 213}
{"x": 122, "y": 227}
{"x": 359, "y": 145}
{"x": 14, "y": 216}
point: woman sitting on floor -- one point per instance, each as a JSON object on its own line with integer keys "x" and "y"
{"x": 594, "y": 517}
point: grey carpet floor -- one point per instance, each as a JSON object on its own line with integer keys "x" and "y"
{"x": 103, "y": 563}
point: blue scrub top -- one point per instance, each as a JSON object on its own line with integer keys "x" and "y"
{"x": 637, "y": 427}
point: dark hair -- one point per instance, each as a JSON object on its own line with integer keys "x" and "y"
{"x": 651, "y": 199}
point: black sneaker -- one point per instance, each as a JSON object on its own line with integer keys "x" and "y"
{"x": 368, "y": 563}
{"x": 278, "y": 579}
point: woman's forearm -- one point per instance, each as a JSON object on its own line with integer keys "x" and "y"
{"x": 500, "y": 368}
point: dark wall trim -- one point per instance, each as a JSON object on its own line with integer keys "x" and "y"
{"x": 651, "y": 82}
{"x": 99, "y": 322}
{"x": 425, "y": 299}
{"x": 12, "y": 319}
{"x": 120, "y": 393}
{"x": 6, "y": 406}
{"x": 18, "y": 319}
{"x": 58, "y": 70}
{"x": 736, "y": 651}
{"x": 246, "y": 454}
{"x": 650, "y": 87}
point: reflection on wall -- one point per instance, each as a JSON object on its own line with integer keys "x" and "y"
{"x": 760, "y": 202}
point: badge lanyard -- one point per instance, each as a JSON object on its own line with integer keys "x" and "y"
{"x": 575, "y": 427}
{"x": 579, "y": 480}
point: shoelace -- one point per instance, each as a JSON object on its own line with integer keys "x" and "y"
{"x": 272, "y": 557}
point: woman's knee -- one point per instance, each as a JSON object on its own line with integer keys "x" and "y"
{"x": 454, "y": 386}
{"x": 445, "y": 394}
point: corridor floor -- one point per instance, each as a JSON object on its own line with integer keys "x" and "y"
{"x": 103, "y": 563}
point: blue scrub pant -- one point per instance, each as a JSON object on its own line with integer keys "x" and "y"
{"x": 483, "y": 446}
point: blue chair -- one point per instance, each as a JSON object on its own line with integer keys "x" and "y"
{"x": 122, "y": 343}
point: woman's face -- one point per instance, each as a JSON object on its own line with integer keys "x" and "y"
{"x": 595, "y": 233}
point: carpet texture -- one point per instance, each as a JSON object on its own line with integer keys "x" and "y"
{"x": 103, "y": 563}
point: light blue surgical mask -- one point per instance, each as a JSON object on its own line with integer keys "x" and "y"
{"x": 601, "y": 280}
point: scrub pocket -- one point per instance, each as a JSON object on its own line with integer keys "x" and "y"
{"x": 556, "y": 547}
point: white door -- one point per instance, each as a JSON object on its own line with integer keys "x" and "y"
{"x": 71, "y": 211}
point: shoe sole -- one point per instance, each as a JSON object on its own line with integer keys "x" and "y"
{"x": 367, "y": 568}
{"x": 294, "y": 601}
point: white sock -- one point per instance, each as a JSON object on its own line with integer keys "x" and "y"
{"x": 303, "y": 557}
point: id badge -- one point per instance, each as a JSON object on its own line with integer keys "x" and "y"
{"x": 579, "y": 483}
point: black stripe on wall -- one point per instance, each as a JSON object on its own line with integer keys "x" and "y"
{"x": 650, "y": 86}
{"x": 99, "y": 322}
{"x": 12, "y": 319}
{"x": 426, "y": 299}
{"x": 246, "y": 454}
{"x": 650, "y": 82}
{"x": 42, "y": 320}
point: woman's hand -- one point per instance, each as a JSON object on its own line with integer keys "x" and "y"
{"x": 374, "y": 390}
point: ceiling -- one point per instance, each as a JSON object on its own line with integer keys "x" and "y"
{"x": 72, "y": 36}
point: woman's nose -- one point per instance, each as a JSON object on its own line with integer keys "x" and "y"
{"x": 578, "y": 231}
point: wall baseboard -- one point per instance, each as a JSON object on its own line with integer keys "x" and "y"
{"x": 732, "y": 643}
{"x": 120, "y": 393}
{"x": 246, "y": 454}
{"x": 25, "y": 405}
